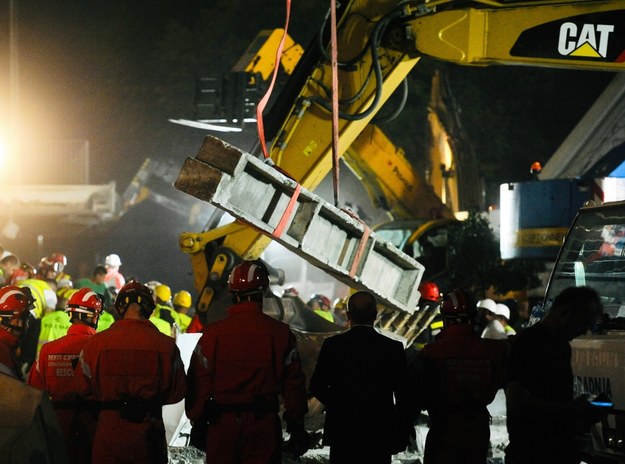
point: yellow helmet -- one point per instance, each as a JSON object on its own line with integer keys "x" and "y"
{"x": 182, "y": 298}
{"x": 162, "y": 292}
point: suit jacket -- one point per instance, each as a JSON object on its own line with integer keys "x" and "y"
{"x": 361, "y": 377}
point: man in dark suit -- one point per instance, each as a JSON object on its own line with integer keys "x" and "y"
{"x": 362, "y": 379}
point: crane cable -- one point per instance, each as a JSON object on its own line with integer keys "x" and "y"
{"x": 263, "y": 102}
{"x": 335, "y": 102}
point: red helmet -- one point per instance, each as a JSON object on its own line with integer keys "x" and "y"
{"x": 248, "y": 277}
{"x": 458, "y": 304}
{"x": 430, "y": 291}
{"x": 85, "y": 302}
{"x": 15, "y": 304}
{"x": 323, "y": 300}
{"x": 135, "y": 292}
{"x": 56, "y": 262}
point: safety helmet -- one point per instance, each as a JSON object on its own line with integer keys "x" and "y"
{"x": 162, "y": 292}
{"x": 183, "y": 298}
{"x": 430, "y": 291}
{"x": 248, "y": 277}
{"x": 15, "y": 305}
{"x": 457, "y": 304}
{"x": 323, "y": 300}
{"x": 58, "y": 260}
{"x": 488, "y": 304}
{"x": 502, "y": 310}
{"x": 55, "y": 263}
{"x": 112, "y": 260}
{"x": 85, "y": 302}
{"x": 135, "y": 292}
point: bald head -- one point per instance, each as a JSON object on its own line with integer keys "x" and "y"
{"x": 362, "y": 308}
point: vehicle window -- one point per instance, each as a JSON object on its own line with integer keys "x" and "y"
{"x": 397, "y": 237}
{"x": 594, "y": 255}
{"x": 432, "y": 251}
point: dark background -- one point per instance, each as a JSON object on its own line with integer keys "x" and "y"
{"x": 114, "y": 72}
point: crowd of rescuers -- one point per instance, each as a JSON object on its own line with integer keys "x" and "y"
{"x": 104, "y": 389}
{"x": 321, "y": 305}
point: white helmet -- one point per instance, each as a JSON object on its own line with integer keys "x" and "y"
{"x": 502, "y": 310}
{"x": 112, "y": 260}
{"x": 488, "y": 304}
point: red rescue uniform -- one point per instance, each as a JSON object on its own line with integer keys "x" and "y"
{"x": 131, "y": 369}
{"x": 459, "y": 376}
{"x": 8, "y": 361}
{"x": 243, "y": 363}
{"x": 196, "y": 325}
{"x": 54, "y": 372}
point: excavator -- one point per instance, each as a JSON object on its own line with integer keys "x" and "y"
{"x": 379, "y": 43}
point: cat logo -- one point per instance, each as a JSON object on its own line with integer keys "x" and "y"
{"x": 587, "y": 41}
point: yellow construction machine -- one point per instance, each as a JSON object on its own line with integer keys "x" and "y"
{"x": 379, "y": 42}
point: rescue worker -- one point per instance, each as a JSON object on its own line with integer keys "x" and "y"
{"x": 54, "y": 325}
{"x": 132, "y": 370}
{"x": 237, "y": 370}
{"x": 182, "y": 304}
{"x": 29, "y": 430}
{"x": 97, "y": 283}
{"x": 164, "y": 327}
{"x": 9, "y": 269}
{"x": 53, "y": 267}
{"x": 113, "y": 278}
{"x": 52, "y": 270}
{"x": 493, "y": 328}
{"x": 164, "y": 308}
{"x": 502, "y": 314}
{"x": 15, "y": 304}
{"x": 54, "y": 372}
{"x": 25, "y": 271}
{"x": 321, "y": 306}
{"x": 458, "y": 377}
{"x": 44, "y": 293}
{"x": 429, "y": 304}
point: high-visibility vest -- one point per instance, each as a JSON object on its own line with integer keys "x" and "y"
{"x": 53, "y": 325}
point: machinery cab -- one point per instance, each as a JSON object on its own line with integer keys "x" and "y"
{"x": 424, "y": 240}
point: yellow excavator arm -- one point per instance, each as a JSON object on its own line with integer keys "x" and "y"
{"x": 379, "y": 43}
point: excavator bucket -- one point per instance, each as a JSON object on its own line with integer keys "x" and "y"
{"x": 327, "y": 237}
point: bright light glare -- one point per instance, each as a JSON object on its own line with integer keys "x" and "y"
{"x": 4, "y": 152}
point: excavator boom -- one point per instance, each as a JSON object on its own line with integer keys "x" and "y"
{"x": 379, "y": 43}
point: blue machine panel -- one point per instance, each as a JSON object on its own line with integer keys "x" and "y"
{"x": 536, "y": 215}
